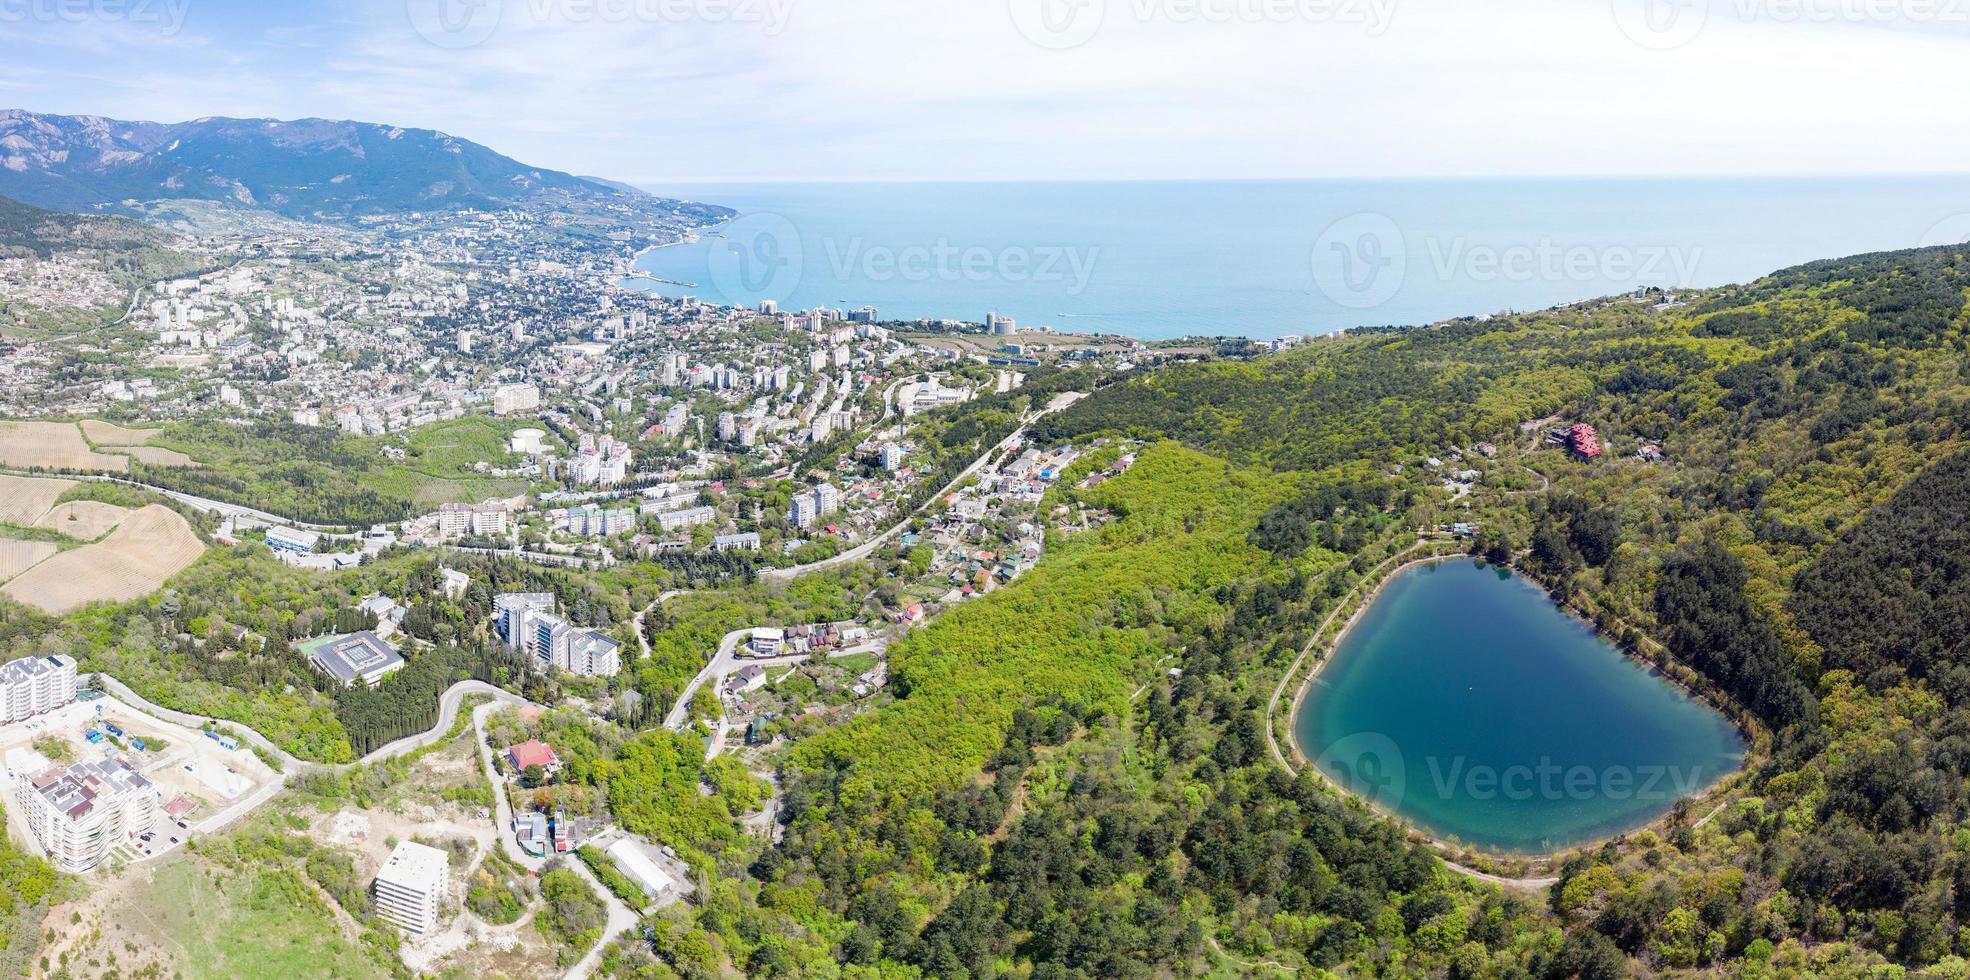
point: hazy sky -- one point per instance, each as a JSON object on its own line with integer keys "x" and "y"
{"x": 669, "y": 90}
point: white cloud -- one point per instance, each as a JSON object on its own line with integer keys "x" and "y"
{"x": 651, "y": 90}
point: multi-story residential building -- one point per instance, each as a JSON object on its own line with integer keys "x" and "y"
{"x": 32, "y": 685}
{"x": 827, "y": 499}
{"x": 513, "y": 399}
{"x": 802, "y": 511}
{"x": 526, "y": 622}
{"x": 411, "y": 887}
{"x": 595, "y": 522}
{"x": 511, "y": 611}
{"x": 678, "y": 520}
{"x": 455, "y": 520}
{"x": 80, "y": 814}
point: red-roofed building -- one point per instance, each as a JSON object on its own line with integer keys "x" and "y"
{"x": 532, "y": 753}
{"x": 1585, "y": 441}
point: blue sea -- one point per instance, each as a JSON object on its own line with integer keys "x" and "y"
{"x": 1263, "y": 259}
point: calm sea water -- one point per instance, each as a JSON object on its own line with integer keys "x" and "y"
{"x": 1264, "y": 259}
{"x": 1465, "y": 701}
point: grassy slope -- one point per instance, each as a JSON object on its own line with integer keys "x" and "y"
{"x": 1085, "y": 624}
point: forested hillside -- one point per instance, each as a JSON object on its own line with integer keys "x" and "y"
{"x": 1783, "y": 548}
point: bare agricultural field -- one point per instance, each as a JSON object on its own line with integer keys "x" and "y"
{"x": 19, "y": 556}
{"x": 104, "y": 433}
{"x": 23, "y": 499}
{"x": 55, "y": 445}
{"x": 158, "y": 456}
{"x": 84, "y": 520}
{"x": 137, "y": 558}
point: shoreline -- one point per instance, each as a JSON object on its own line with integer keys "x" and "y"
{"x": 1448, "y": 850}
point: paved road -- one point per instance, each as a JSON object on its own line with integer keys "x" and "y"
{"x": 620, "y": 916}
{"x": 727, "y": 660}
{"x": 724, "y": 662}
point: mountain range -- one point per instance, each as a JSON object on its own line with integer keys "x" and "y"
{"x": 308, "y": 169}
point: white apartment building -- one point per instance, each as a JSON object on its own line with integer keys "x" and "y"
{"x": 455, "y": 520}
{"x": 678, "y": 520}
{"x": 814, "y": 505}
{"x": 526, "y": 622}
{"x": 411, "y": 887}
{"x": 509, "y": 399}
{"x": 32, "y": 685}
{"x": 81, "y": 813}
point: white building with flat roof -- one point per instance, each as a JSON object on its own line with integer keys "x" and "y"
{"x": 632, "y": 860}
{"x": 32, "y": 685}
{"x": 411, "y": 887}
{"x": 82, "y": 813}
{"x": 767, "y": 641}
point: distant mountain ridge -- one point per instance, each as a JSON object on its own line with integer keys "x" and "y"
{"x": 309, "y": 169}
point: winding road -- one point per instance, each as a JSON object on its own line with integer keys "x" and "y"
{"x": 862, "y": 550}
{"x": 620, "y": 917}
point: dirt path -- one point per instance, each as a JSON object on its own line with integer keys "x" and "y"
{"x": 1410, "y": 554}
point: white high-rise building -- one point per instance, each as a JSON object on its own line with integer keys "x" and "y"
{"x": 32, "y": 685}
{"x": 82, "y": 813}
{"x": 508, "y": 399}
{"x": 827, "y": 499}
{"x": 526, "y": 622}
{"x": 411, "y": 886}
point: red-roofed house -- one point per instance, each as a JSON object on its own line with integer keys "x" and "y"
{"x": 532, "y": 753}
{"x": 1585, "y": 441}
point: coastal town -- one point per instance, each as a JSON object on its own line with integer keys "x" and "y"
{"x": 576, "y": 424}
